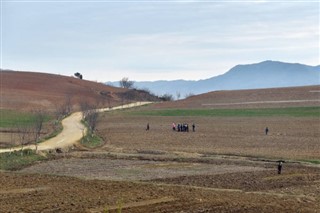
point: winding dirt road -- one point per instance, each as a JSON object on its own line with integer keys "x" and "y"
{"x": 73, "y": 131}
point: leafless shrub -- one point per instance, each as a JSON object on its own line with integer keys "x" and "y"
{"x": 39, "y": 119}
{"x": 89, "y": 115}
{"x": 126, "y": 83}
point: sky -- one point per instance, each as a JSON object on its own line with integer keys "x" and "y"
{"x": 148, "y": 40}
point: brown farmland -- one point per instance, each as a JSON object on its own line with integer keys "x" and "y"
{"x": 227, "y": 165}
{"x": 25, "y": 91}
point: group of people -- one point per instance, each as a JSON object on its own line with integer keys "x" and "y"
{"x": 182, "y": 127}
{"x": 185, "y": 128}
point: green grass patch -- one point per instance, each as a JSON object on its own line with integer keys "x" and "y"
{"x": 262, "y": 112}
{"x": 18, "y": 159}
{"x": 92, "y": 141}
{"x": 312, "y": 161}
{"x": 10, "y": 118}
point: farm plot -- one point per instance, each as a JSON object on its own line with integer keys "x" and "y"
{"x": 226, "y": 165}
{"x": 295, "y": 138}
{"x": 230, "y": 191}
{"x": 17, "y": 128}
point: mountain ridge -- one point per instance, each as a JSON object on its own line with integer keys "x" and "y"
{"x": 265, "y": 74}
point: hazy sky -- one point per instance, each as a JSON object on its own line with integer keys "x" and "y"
{"x": 155, "y": 40}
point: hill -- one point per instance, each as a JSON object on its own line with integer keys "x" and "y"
{"x": 32, "y": 90}
{"x": 267, "y": 74}
{"x": 255, "y": 98}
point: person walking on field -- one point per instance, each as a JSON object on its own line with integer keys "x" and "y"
{"x": 148, "y": 127}
{"x": 279, "y": 167}
{"x": 266, "y": 130}
{"x": 193, "y": 127}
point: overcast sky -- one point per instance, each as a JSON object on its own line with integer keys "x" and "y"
{"x": 155, "y": 40}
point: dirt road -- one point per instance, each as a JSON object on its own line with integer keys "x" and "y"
{"x": 73, "y": 131}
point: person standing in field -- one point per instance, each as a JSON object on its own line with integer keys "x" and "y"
{"x": 173, "y": 126}
{"x": 267, "y": 130}
{"x": 148, "y": 127}
{"x": 279, "y": 167}
{"x": 193, "y": 127}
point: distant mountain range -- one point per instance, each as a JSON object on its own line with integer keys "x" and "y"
{"x": 267, "y": 74}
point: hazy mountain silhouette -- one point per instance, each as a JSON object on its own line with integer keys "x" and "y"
{"x": 267, "y": 74}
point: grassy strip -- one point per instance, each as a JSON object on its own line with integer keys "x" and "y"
{"x": 10, "y": 118}
{"x": 92, "y": 141}
{"x": 18, "y": 159}
{"x": 263, "y": 112}
{"x": 312, "y": 161}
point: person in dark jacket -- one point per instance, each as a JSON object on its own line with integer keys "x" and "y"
{"x": 279, "y": 167}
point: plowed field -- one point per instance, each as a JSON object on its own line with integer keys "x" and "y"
{"x": 251, "y": 190}
{"x": 228, "y": 164}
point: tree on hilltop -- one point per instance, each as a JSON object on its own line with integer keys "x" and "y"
{"x": 78, "y": 75}
{"x": 126, "y": 83}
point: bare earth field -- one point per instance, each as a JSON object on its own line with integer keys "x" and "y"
{"x": 227, "y": 165}
{"x": 259, "y": 98}
{"x": 222, "y": 188}
{"x": 29, "y": 90}
{"x": 288, "y": 138}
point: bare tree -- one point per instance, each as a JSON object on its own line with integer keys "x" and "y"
{"x": 89, "y": 115}
{"x": 23, "y": 132}
{"x": 68, "y": 104}
{"x": 91, "y": 120}
{"x": 78, "y": 75}
{"x": 85, "y": 108}
{"x": 39, "y": 119}
{"x": 189, "y": 95}
{"x": 107, "y": 97}
{"x": 11, "y": 140}
{"x": 166, "y": 97}
{"x": 126, "y": 83}
{"x": 58, "y": 113}
{"x": 109, "y": 101}
{"x": 178, "y": 94}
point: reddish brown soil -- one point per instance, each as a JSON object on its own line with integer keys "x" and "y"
{"x": 309, "y": 95}
{"x": 164, "y": 171}
{"x": 264, "y": 191}
{"x": 288, "y": 138}
{"x": 30, "y": 90}
{"x": 178, "y": 172}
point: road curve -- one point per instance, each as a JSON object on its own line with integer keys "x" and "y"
{"x": 73, "y": 131}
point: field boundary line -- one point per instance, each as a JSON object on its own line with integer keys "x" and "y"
{"x": 136, "y": 204}
{"x": 267, "y": 193}
{"x": 261, "y": 102}
{"x": 23, "y": 190}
